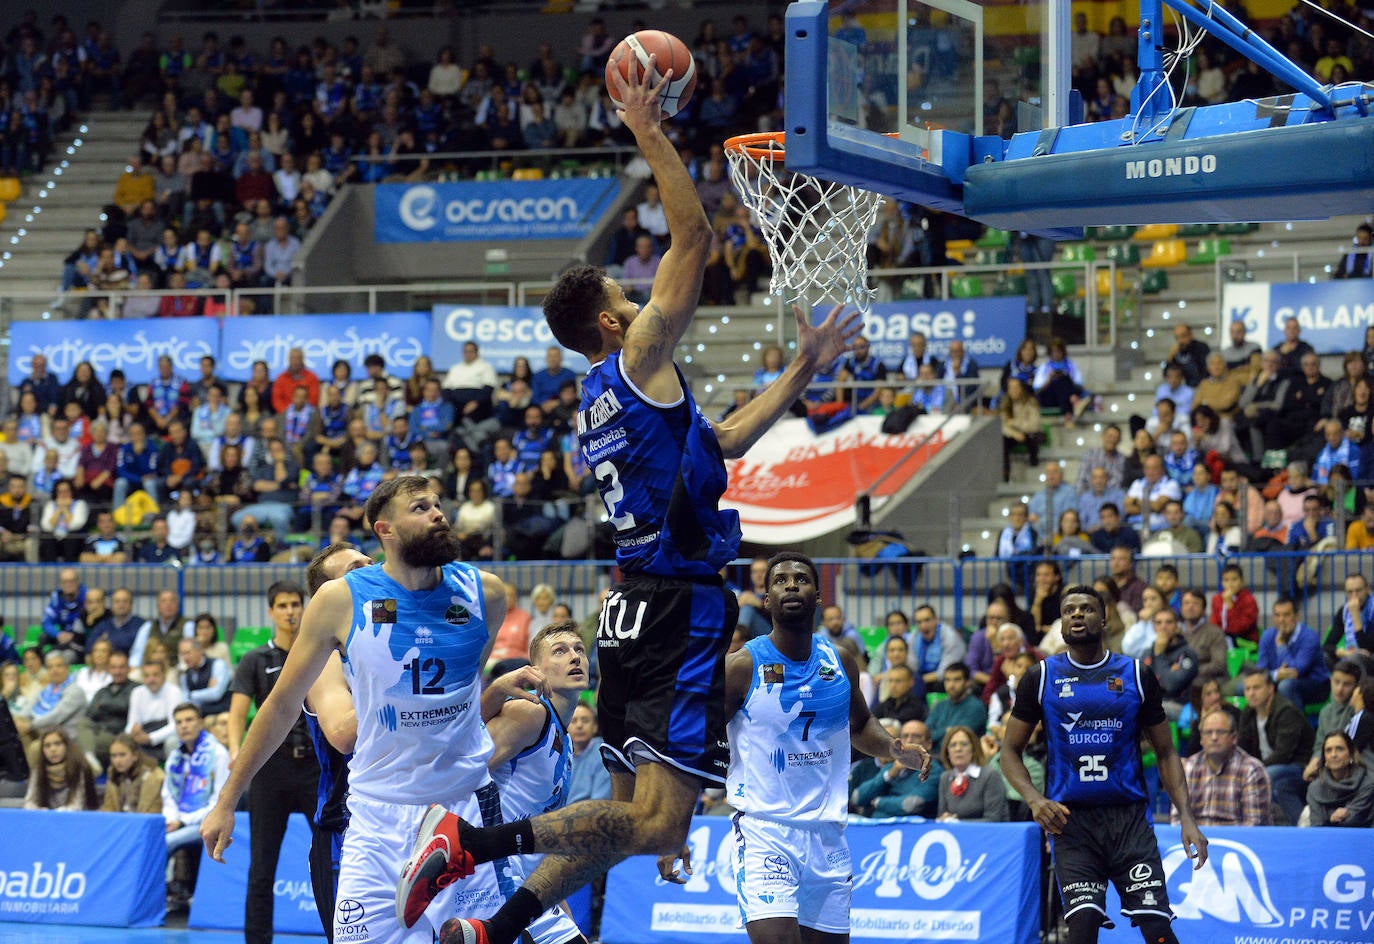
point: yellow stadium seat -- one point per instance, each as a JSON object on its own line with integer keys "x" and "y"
{"x": 9, "y": 189}
{"x": 1165, "y": 253}
{"x": 1104, "y": 282}
{"x": 1154, "y": 232}
{"x": 527, "y": 173}
{"x": 956, "y": 248}
{"x": 3, "y": 213}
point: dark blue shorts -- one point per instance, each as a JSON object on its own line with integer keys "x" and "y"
{"x": 661, "y": 646}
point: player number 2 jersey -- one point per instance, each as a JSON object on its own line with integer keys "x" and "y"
{"x": 789, "y": 741}
{"x": 660, "y": 473}
{"x": 413, "y": 660}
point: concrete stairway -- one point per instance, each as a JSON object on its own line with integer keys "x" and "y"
{"x": 69, "y": 195}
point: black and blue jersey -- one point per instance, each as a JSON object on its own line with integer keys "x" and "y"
{"x": 1094, "y": 717}
{"x": 661, "y": 474}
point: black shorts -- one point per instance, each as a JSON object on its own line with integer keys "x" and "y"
{"x": 661, "y": 646}
{"x": 1111, "y": 842}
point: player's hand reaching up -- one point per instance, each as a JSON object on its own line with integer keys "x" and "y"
{"x": 666, "y": 864}
{"x": 640, "y": 98}
{"x": 911, "y": 756}
{"x": 824, "y": 342}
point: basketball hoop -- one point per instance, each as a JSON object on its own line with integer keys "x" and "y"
{"x": 816, "y": 230}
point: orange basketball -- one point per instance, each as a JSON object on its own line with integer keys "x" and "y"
{"x": 670, "y": 52}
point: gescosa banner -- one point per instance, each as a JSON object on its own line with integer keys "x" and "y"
{"x": 501, "y": 332}
{"x": 1269, "y": 885}
{"x": 133, "y": 346}
{"x": 83, "y": 868}
{"x": 502, "y": 210}
{"x": 400, "y": 337}
{"x": 989, "y": 327}
{"x": 220, "y": 889}
{"x": 913, "y": 881}
{"x": 1333, "y": 315}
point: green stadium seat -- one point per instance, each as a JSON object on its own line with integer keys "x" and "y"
{"x": 31, "y": 636}
{"x": 1236, "y": 229}
{"x": 993, "y": 239}
{"x": 966, "y": 286}
{"x": 1065, "y": 284}
{"x": 246, "y": 638}
{"x": 1155, "y": 281}
{"x": 1196, "y": 230}
{"x": 1124, "y": 254}
{"x": 1235, "y": 661}
{"x": 934, "y": 698}
{"x": 873, "y": 637}
{"x": 1078, "y": 253}
{"x": 1209, "y": 251}
{"x": 1010, "y": 285}
{"x": 1114, "y": 233}
{"x": 990, "y": 257}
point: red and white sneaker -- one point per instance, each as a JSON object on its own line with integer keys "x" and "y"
{"x": 463, "y": 931}
{"x": 437, "y": 860}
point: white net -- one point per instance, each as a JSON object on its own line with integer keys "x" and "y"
{"x": 816, "y": 230}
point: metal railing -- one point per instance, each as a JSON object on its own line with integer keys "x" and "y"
{"x": 867, "y": 590}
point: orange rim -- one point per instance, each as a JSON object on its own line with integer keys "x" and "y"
{"x": 762, "y": 145}
{"x": 768, "y": 145}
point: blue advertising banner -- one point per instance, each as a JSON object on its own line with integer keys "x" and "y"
{"x": 83, "y": 868}
{"x": 1266, "y": 885}
{"x": 502, "y": 333}
{"x": 400, "y": 337}
{"x": 989, "y": 327}
{"x": 913, "y": 881}
{"x": 220, "y": 889}
{"x": 1333, "y": 315}
{"x": 500, "y": 210}
{"x": 133, "y": 346}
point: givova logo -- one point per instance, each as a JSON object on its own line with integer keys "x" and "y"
{"x": 1230, "y": 886}
{"x": 387, "y": 716}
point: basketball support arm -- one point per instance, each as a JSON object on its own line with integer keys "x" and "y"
{"x": 1214, "y": 19}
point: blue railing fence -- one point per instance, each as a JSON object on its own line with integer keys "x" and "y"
{"x": 236, "y": 595}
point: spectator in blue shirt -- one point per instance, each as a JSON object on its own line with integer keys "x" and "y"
{"x": 1291, "y": 653}
{"x": 431, "y": 420}
{"x": 1200, "y": 501}
{"x": 43, "y": 385}
{"x": 1180, "y": 459}
{"x": 532, "y": 440}
{"x": 64, "y": 609}
{"x": 502, "y": 469}
{"x": 1098, "y": 493}
{"x": 544, "y": 384}
{"x": 1052, "y": 500}
{"x": 1338, "y": 451}
{"x": 140, "y": 466}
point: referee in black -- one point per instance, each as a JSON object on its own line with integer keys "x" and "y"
{"x": 287, "y": 782}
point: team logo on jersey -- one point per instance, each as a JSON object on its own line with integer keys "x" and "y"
{"x": 1140, "y": 872}
{"x": 387, "y": 716}
{"x": 1115, "y": 685}
{"x": 773, "y": 673}
{"x": 826, "y": 672}
{"x": 423, "y": 636}
{"x": 1066, "y": 690}
{"x": 776, "y": 865}
{"x": 457, "y": 614}
{"x": 383, "y": 611}
{"x": 557, "y": 742}
{"x": 350, "y": 911}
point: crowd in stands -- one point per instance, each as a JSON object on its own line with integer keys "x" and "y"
{"x": 205, "y": 472}
{"x": 245, "y": 148}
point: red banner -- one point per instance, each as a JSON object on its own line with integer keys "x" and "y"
{"x": 795, "y": 485}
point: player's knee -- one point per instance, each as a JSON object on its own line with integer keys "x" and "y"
{"x": 1084, "y": 926}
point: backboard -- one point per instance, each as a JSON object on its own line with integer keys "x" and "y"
{"x": 915, "y": 68}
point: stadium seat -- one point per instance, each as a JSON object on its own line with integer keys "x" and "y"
{"x": 990, "y": 257}
{"x": 1164, "y": 253}
{"x": 934, "y": 698}
{"x": 9, "y": 189}
{"x": 1078, "y": 253}
{"x": 1210, "y": 250}
{"x": 966, "y": 286}
{"x": 31, "y": 636}
{"x": 3, "y": 213}
{"x": 993, "y": 239}
{"x": 1235, "y": 661}
{"x": 1065, "y": 284}
{"x": 958, "y": 249}
{"x": 1114, "y": 233}
{"x": 1010, "y": 285}
{"x": 1155, "y": 232}
{"x": 1124, "y": 254}
{"x": 1196, "y": 230}
{"x": 1104, "y": 283}
{"x": 527, "y": 173}
{"x": 246, "y": 638}
{"x": 1236, "y": 229}
{"x": 873, "y": 637}
{"x": 1155, "y": 282}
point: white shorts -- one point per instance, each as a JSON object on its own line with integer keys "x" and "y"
{"x": 376, "y": 846}
{"x": 800, "y": 872}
